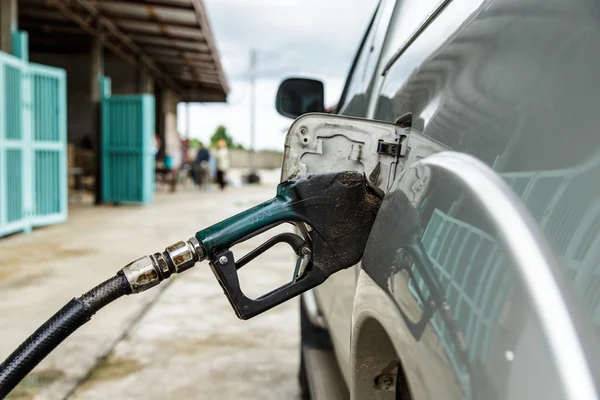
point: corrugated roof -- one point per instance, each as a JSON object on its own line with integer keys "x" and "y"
{"x": 171, "y": 37}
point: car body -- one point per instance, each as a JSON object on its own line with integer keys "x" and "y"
{"x": 481, "y": 279}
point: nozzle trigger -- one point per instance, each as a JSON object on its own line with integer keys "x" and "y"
{"x": 296, "y": 243}
{"x": 225, "y": 269}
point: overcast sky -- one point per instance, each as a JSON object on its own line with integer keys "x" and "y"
{"x": 314, "y": 38}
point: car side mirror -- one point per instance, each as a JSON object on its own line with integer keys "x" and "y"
{"x": 297, "y": 96}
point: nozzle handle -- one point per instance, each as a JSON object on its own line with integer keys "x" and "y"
{"x": 223, "y": 235}
{"x": 339, "y": 207}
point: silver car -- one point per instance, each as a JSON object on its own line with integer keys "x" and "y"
{"x": 481, "y": 278}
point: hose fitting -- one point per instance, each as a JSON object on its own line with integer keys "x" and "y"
{"x": 149, "y": 271}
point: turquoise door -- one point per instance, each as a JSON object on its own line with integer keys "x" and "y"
{"x": 33, "y": 141}
{"x": 48, "y": 144}
{"x": 13, "y": 146}
{"x": 127, "y": 138}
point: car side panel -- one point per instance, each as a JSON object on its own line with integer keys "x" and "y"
{"x": 443, "y": 281}
{"x": 514, "y": 84}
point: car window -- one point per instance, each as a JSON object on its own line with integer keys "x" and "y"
{"x": 355, "y": 98}
{"x": 409, "y": 16}
{"x": 411, "y": 43}
{"x": 402, "y": 19}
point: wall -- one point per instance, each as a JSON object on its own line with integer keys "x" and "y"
{"x": 146, "y": 81}
{"x": 262, "y": 159}
{"x": 123, "y": 76}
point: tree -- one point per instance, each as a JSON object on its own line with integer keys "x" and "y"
{"x": 221, "y": 133}
{"x": 195, "y": 143}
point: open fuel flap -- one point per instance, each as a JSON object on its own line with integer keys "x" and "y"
{"x": 322, "y": 143}
{"x": 318, "y": 143}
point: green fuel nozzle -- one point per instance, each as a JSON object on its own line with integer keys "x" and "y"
{"x": 335, "y": 212}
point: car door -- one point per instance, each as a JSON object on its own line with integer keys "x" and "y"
{"x": 502, "y": 81}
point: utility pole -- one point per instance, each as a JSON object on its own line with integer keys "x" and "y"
{"x": 252, "y": 107}
{"x": 187, "y": 120}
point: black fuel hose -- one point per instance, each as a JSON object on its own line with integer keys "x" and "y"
{"x": 62, "y": 324}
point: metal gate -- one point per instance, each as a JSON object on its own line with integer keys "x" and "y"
{"x": 127, "y": 140}
{"x": 33, "y": 171}
{"x": 48, "y": 145}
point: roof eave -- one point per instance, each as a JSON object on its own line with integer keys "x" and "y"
{"x": 207, "y": 32}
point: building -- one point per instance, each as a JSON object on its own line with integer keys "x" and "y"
{"x": 161, "y": 48}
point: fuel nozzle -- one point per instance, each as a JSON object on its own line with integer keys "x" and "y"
{"x": 335, "y": 212}
{"x": 149, "y": 271}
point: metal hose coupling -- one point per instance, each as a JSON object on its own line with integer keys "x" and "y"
{"x": 149, "y": 271}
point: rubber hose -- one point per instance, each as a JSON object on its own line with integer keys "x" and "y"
{"x": 105, "y": 293}
{"x": 62, "y": 324}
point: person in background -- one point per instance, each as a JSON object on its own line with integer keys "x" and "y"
{"x": 156, "y": 145}
{"x": 201, "y": 167}
{"x": 171, "y": 172}
{"x": 222, "y": 157}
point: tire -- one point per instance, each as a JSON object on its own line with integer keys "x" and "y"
{"x": 313, "y": 337}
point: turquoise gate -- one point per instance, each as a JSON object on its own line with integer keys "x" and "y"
{"x": 33, "y": 141}
{"x": 127, "y": 147}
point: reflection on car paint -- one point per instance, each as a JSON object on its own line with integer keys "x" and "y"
{"x": 570, "y": 218}
{"x": 473, "y": 278}
{"x": 470, "y": 268}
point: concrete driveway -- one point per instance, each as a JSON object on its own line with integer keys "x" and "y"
{"x": 178, "y": 341}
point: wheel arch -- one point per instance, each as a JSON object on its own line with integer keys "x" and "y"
{"x": 380, "y": 346}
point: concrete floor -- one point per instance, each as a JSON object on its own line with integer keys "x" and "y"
{"x": 177, "y": 341}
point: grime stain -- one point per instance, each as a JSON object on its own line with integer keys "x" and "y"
{"x": 25, "y": 281}
{"x": 23, "y": 255}
{"x": 113, "y": 368}
{"x": 34, "y": 383}
{"x": 191, "y": 346}
{"x": 6, "y": 273}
